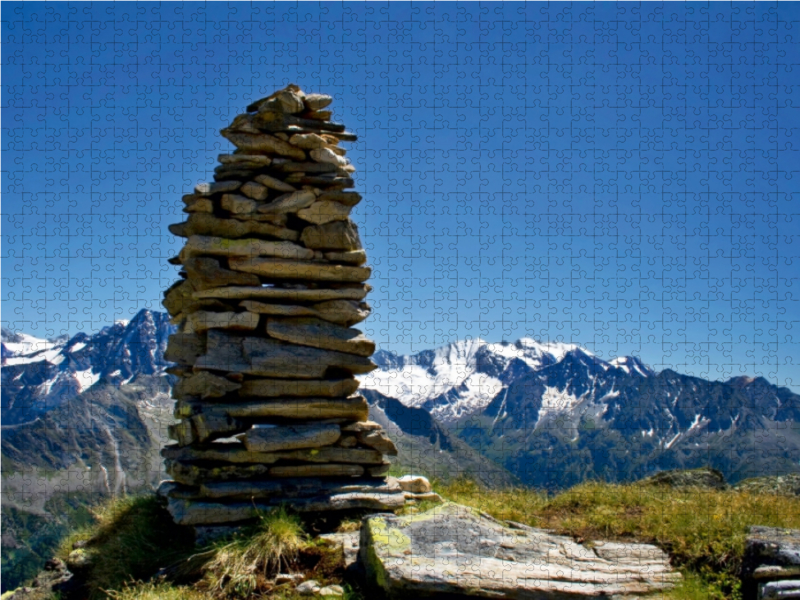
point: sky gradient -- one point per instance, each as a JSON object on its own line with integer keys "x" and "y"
{"x": 619, "y": 176}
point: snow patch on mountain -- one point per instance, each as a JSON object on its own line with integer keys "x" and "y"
{"x": 463, "y": 377}
{"x": 22, "y": 344}
{"x": 557, "y": 401}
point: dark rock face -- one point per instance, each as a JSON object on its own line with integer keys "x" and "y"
{"x": 43, "y": 374}
{"x": 771, "y": 554}
{"x": 583, "y": 418}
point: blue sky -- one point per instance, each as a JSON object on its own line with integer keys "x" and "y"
{"x": 620, "y": 176}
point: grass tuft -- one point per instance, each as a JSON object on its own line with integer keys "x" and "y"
{"x": 156, "y": 591}
{"x": 240, "y": 566}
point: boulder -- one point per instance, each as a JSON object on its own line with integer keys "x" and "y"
{"x": 258, "y": 159}
{"x": 340, "y": 312}
{"x": 343, "y": 312}
{"x": 192, "y": 474}
{"x": 199, "y": 205}
{"x": 325, "y": 211}
{"x": 275, "y": 184}
{"x": 296, "y": 488}
{"x": 206, "y": 273}
{"x": 317, "y": 101}
{"x": 352, "y": 408}
{"x": 452, "y": 550}
{"x": 322, "y": 470}
{"x": 347, "y": 542}
{"x": 217, "y": 246}
{"x": 289, "y": 202}
{"x": 191, "y": 512}
{"x": 209, "y": 225}
{"x": 205, "y": 427}
{"x": 256, "y": 191}
{"x": 378, "y": 440}
{"x": 200, "y": 321}
{"x": 203, "y": 385}
{"x": 184, "y": 348}
{"x": 337, "y": 235}
{"x": 352, "y": 257}
{"x": 262, "y": 142}
{"x": 209, "y": 189}
{"x": 415, "y": 483}
{"x": 238, "y": 204}
{"x": 346, "y": 198}
{"x": 237, "y": 453}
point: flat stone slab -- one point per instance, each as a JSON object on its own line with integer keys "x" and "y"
{"x": 453, "y": 551}
{"x": 189, "y": 512}
{"x": 780, "y": 590}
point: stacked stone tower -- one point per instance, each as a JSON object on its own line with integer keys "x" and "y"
{"x": 273, "y": 279}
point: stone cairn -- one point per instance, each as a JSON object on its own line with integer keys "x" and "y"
{"x": 273, "y": 280}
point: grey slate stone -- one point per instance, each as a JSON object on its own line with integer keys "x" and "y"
{"x": 452, "y": 551}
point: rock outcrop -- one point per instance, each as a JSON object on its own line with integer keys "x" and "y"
{"x": 704, "y": 478}
{"x": 454, "y": 551}
{"x": 771, "y": 555}
{"x": 273, "y": 280}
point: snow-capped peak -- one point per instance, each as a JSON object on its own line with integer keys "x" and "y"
{"x": 19, "y": 344}
{"x": 631, "y": 364}
{"x": 461, "y": 377}
{"x": 46, "y": 373}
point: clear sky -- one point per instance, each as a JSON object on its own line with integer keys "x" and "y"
{"x": 620, "y": 176}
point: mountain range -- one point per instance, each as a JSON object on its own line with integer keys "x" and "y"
{"x": 554, "y": 414}
{"x": 85, "y": 416}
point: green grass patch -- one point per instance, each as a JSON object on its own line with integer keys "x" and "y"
{"x": 133, "y": 537}
{"x": 703, "y": 531}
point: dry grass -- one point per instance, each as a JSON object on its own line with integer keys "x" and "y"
{"x": 242, "y": 565}
{"x": 703, "y": 531}
{"x": 156, "y": 591}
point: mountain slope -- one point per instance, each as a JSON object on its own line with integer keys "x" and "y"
{"x": 39, "y": 375}
{"x": 103, "y": 441}
{"x": 426, "y": 447}
{"x": 583, "y": 418}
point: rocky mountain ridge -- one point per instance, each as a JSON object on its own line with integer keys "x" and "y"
{"x": 40, "y": 375}
{"x": 517, "y": 403}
